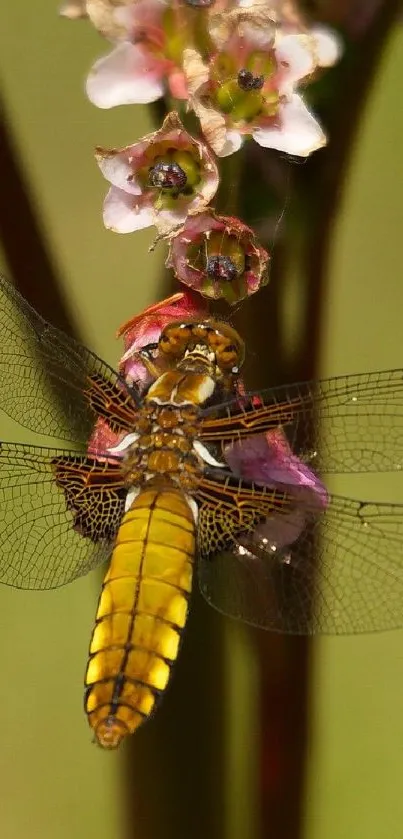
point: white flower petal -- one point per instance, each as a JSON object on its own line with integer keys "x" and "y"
{"x": 118, "y": 171}
{"x": 73, "y": 9}
{"x": 141, "y": 13}
{"x": 166, "y": 220}
{"x": 327, "y": 44}
{"x": 123, "y": 214}
{"x": 299, "y": 133}
{"x": 233, "y": 142}
{"x": 297, "y": 51}
{"x": 126, "y": 76}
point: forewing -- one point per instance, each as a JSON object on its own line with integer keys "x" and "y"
{"x": 59, "y": 515}
{"x": 50, "y": 383}
{"x": 312, "y": 570}
{"x": 344, "y": 424}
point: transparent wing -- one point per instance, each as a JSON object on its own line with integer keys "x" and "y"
{"x": 38, "y": 362}
{"x": 359, "y": 421}
{"x": 309, "y": 569}
{"x": 59, "y": 515}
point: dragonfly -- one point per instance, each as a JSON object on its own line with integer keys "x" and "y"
{"x": 189, "y": 475}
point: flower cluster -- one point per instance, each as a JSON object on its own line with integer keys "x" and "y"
{"x": 238, "y": 67}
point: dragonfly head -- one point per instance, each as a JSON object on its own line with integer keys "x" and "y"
{"x": 209, "y": 346}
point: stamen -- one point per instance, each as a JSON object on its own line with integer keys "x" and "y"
{"x": 247, "y": 81}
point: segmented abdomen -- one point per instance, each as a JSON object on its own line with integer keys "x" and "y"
{"x": 141, "y": 613}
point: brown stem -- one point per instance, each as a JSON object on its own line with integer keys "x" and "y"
{"x": 315, "y": 202}
{"x": 24, "y": 241}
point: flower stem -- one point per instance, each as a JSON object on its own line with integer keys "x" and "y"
{"x": 228, "y": 195}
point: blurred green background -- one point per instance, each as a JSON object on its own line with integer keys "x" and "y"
{"x": 54, "y": 784}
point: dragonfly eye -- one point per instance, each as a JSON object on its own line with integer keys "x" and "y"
{"x": 227, "y": 346}
{"x": 174, "y": 339}
{"x": 227, "y": 356}
{"x": 214, "y": 339}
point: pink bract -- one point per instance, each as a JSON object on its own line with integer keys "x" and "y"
{"x": 267, "y": 459}
{"x": 137, "y": 332}
{"x": 146, "y": 328}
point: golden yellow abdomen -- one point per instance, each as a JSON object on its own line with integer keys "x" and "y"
{"x": 141, "y": 613}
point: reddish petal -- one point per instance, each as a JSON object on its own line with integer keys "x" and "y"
{"x": 102, "y": 439}
{"x": 267, "y": 459}
{"x": 177, "y": 85}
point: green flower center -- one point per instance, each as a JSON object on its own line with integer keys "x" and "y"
{"x": 222, "y": 261}
{"x": 218, "y": 251}
{"x": 245, "y": 93}
{"x": 172, "y": 173}
{"x": 176, "y": 35}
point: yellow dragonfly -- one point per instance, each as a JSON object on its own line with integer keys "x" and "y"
{"x": 191, "y": 472}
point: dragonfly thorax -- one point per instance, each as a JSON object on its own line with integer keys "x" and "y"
{"x": 163, "y": 448}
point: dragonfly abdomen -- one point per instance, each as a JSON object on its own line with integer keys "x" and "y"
{"x": 141, "y": 613}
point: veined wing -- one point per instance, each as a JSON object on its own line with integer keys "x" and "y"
{"x": 59, "y": 514}
{"x": 38, "y": 362}
{"x": 359, "y": 421}
{"x": 307, "y": 568}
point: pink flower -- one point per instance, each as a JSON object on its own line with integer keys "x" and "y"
{"x": 157, "y": 180}
{"x": 248, "y": 86}
{"x": 218, "y": 256}
{"x": 146, "y": 328}
{"x": 267, "y": 459}
{"x": 150, "y": 36}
